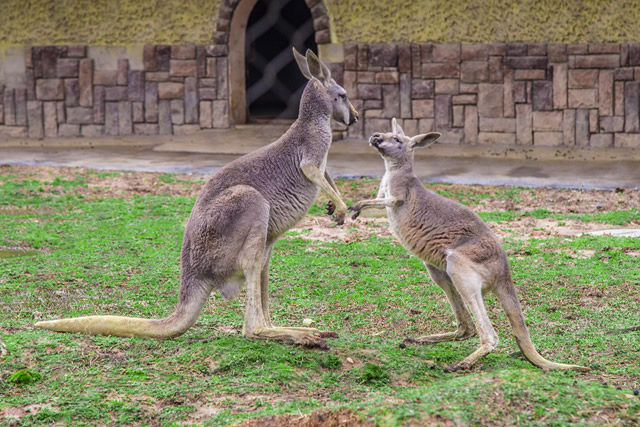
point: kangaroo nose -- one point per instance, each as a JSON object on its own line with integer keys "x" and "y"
{"x": 353, "y": 117}
{"x": 375, "y": 139}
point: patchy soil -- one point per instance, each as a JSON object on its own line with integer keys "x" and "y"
{"x": 104, "y": 184}
{"x": 109, "y": 184}
{"x": 324, "y": 418}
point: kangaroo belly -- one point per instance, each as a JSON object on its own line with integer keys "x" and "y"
{"x": 289, "y": 206}
{"x": 417, "y": 238}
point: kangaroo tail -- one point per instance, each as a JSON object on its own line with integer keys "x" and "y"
{"x": 509, "y": 301}
{"x": 192, "y": 299}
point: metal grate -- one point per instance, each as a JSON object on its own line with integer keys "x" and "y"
{"x": 274, "y": 82}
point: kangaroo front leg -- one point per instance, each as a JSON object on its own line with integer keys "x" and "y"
{"x": 315, "y": 175}
{"x": 385, "y": 202}
{"x": 331, "y": 207}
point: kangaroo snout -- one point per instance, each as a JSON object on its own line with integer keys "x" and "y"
{"x": 353, "y": 115}
{"x": 375, "y": 139}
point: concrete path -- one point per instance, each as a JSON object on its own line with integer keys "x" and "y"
{"x": 207, "y": 151}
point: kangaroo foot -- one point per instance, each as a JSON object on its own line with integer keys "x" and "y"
{"x": 459, "y": 366}
{"x": 458, "y": 335}
{"x": 321, "y": 334}
{"x": 306, "y": 337}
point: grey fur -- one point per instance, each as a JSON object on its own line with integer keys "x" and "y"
{"x": 463, "y": 256}
{"x": 241, "y": 211}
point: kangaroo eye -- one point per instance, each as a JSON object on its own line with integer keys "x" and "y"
{"x": 396, "y": 139}
{"x": 343, "y": 95}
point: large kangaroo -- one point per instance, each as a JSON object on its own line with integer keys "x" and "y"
{"x": 463, "y": 256}
{"x": 240, "y": 213}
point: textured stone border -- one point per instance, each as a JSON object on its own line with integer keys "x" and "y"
{"x": 180, "y": 89}
{"x": 585, "y": 95}
{"x": 574, "y": 95}
{"x": 227, "y": 8}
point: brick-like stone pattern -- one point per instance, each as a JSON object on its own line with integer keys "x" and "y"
{"x": 67, "y": 96}
{"x": 500, "y": 93}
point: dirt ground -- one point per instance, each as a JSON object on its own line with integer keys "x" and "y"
{"x": 480, "y": 198}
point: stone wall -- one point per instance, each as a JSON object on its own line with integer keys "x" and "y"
{"x": 527, "y": 94}
{"x": 180, "y": 89}
{"x": 585, "y": 95}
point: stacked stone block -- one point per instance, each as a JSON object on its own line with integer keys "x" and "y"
{"x": 181, "y": 89}
{"x": 584, "y": 95}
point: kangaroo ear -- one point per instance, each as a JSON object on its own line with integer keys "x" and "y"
{"x": 314, "y": 64}
{"x": 395, "y": 127}
{"x": 326, "y": 72}
{"x": 424, "y": 140}
{"x": 302, "y": 64}
{"x": 317, "y": 68}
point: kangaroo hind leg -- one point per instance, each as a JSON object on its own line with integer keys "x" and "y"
{"x": 466, "y": 329}
{"x": 468, "y": 279}
{"x": 264, "y": 294}
{"x": 253, "y": 262}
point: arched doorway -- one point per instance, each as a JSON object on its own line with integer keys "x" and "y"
{"x": 231, "y": 44}
{"x": 273, "y": 82}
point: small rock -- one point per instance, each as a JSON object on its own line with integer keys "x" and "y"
{"x": 402, "y": 345}
{"x": 309, "y": 323}
{"x": 604, "y": 383}
{"x": 618, "y": 388}
{"x": 636, "y": 392}
{"x": 350, "y": 360}
{"x": 599, "y": 207}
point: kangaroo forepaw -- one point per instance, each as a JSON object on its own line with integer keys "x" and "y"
{"x": 339, "y": 218}
{"x": 355, "y": 210}
{"x": 331, "y": 207}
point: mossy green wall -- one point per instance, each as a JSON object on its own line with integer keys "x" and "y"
{"x": 479, "y": 21}
{"x": 124, "y": 22}
{"x": 107, "y": 22}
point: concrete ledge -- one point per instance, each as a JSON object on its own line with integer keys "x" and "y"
{"x": 206, "y": 152}
{"x": 77, "y": 142}
{"x": 245, "y": 138}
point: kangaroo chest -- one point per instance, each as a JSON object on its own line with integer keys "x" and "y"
{"x": 409, "y": 224}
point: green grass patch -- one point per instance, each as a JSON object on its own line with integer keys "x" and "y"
{"x": 121, "y": 256}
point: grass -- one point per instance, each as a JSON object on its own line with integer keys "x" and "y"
{"x": 108, "y": 255}
{"x": 618, "y": 217}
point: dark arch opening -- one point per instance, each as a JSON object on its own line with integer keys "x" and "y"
{"x": 274, "y": 83}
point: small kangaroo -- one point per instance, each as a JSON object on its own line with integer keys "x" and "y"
{"x": 240, "y": 213}
{"x": 463, "y": 256}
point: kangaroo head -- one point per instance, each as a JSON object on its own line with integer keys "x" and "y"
{"x": 396, "y": 146}
{"x": 331, "y": 94}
